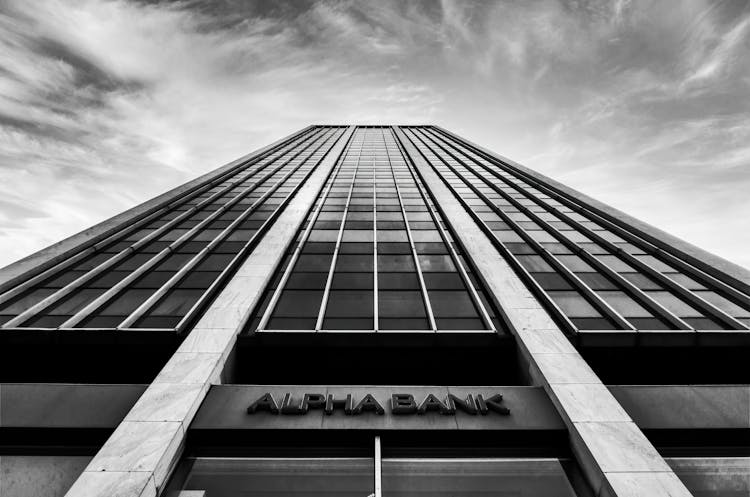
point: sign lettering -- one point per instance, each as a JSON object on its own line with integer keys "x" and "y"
{"x": 400, "y": 404}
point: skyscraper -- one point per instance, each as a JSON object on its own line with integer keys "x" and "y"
{"x": 374, "y": 310}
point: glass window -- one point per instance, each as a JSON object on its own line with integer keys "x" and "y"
{"x": 452, "y": 304}
{"x": 307, "y": 281}
{"x": 350, "y": 304}
{"x": 358, "y": 236}
{"x": 395, "y": 263}
{"x": 400, "y": 477}
{"x": 198, "y": 279}
{"x": 623, "y": 304}
{"x": 298, "y": 303}
{"x": 597, "y": 281}
{"x": 357, "y": 263}
{"x": 397, "y": 281}
{"x": 713, "y": 476}
{"x": 40, "y": 475}
{"x": 300, "y": 477}
{"x": 474, "y": 477}
{"x": 443, "y": 281}
{"x": 685, "y": 281}
{"x": 393, "y": 248}
{"x": 724, "y": 304}
{"x": 314, "y": 262}
{"x": 437, "y": 263}
{"x": 176, "y": 303}
{"x": 356, "y": 248}
{"x": 534, "y": 263}
{"x": 675, "y": 305}
{"x": 407, "y": 304}
{"x": 430, "y": 248}
{"x": 552, "y": 281}
{"x": 352, "y": 281}
{"x": 642, "y": 281}
{"x": 573, "y": 304}
{"x": 389, "y": 236}
{"x": 575, "y": 263}
{"x": 125, "y": 302}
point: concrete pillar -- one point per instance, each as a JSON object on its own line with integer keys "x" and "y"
{"x": 137, "y": 459}
{"x": 613, "y": 453}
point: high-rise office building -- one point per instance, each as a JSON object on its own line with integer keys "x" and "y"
{"x": 374, "y": 311}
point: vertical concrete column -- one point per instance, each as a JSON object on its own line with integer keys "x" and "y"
{"x": 615, "y": 456}
{"x": 137, "y": 459}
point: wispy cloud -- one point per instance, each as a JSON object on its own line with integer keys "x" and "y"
{"x": 642, "y": 104}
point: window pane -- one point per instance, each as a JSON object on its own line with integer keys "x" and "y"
{"x": 307, "y": 281}
{"x": 452, "y": 304}
{"x": 352, "y": 281}
{"x": 473, "y": 477}
{"x": 713, "y": 476}
{"x": 350, "y": 304}
{"x": 224, "y": 477}
{"x": 408, "y": 304}
{"x": 354, "y": 263}
{"x": 398, "y": 281}
{"x": 553, "y": 281}
{"x": 314, "y": 262}
{"x": 623, "y": 304}
{"x": 176, "y": 303}
{"x": 429, "y": 263}
{"x": 573, "y": 304}
{"x": 388, "y": 263}
{"x": 298, "y": 303}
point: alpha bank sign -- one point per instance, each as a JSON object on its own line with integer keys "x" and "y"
{"x": 398, "y": 404}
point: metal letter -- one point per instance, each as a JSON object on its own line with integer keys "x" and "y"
{"x": 264, "y": 403}
{"x": 368, "y": 403}
{"x": 403, "y": 403}
{"x": 432, "y": 403}
{"x": 332, "y": 404}
{"x": 481, "y": 405}
{"x": 466, "y": 406}
{"x": 288, "y": 408}
{"x": 493, "y": 403}
{"x": 313, "y": 401}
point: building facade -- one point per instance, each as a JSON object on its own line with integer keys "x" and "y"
{"x": 374, "y": 310}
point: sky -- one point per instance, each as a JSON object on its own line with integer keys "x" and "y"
{"x": 643, "y": 105}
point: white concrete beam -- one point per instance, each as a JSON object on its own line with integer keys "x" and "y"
{"x": 139, "y": 456}
{"x": 613, "y": 453}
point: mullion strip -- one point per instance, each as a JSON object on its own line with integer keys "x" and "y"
{"x": 112, "y": 292}
{"x": 631, "y": 289}
{"x": 702, "y": 305}
{"x": 375, "y": 298}
{"x": 378, "y": 460}
{"x": 422, "y": 286}
{"x": 263, "y": 323}
{"x": 446, "y": 240}
{"x": 700, "y": 275}
{"x": 25, "y": 285}
{"x": 339, "y": 237}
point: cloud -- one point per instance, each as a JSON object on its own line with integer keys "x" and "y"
{"x": 641, "y": 104}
